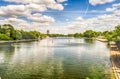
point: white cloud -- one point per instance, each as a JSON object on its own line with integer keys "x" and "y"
{"x": 39, "y": 18}
{"x": 36, "y": 7}
{"x": 32, "y": 1}
{"x": 95, "y": 2}
{"x": 80, "y": 19}
{"x": 117, "y": 13}
{"x": 113, "y": 8}
{"x": 27, "y": 7}
{"x": 40, "y": 4}
{"x": 60, "y": 1}
{"x": 17, "y": 23}
{"x": 13, "y": 11}
{"x": 19, "y": 1}
{"x": 116, "y": 5}
{"x": 100, "y": 23}
{"x": 55, "y": 6}
{"x": 37, "y": 21}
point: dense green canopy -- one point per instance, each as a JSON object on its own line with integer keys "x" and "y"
{"x": 7, "y": 32}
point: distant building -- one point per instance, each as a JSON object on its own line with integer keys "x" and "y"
{"x": 48, "y": 32}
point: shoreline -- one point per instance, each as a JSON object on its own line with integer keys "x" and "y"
{"x": 30, "y": 40}
{"x": 102, "y": 40}
{"x": 114, "y": 57}
{"x": 18, "y": 41}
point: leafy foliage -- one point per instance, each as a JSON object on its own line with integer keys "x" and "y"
{"x": 109, "y": 35}
{"x": 7, "y": 32}
{"x": 4, "y": 37}
{"x": 113, "y": 35}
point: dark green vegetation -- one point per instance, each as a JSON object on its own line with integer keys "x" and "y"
{"x": 7, "y": 32}
{"x": 110, "y": 35}
{"x": 115, "y": 34}
{"x": 87, "y": 34}
{"x": 56, "y": 35}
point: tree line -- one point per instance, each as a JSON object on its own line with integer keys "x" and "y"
{"x": 7, "y": 32}
{"x": 109, "y": 35}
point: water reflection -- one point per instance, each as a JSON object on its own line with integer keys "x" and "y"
{"x": 90, "y": 41}
{"x": 6, "y": 54}
{"x": 55, "y": 58}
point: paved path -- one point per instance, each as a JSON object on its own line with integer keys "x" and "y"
{"x": 115, "y": 59}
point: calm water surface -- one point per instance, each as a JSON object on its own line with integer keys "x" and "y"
{"x": 55, "y": 58}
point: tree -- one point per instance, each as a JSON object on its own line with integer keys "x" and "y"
{"x": 16, "y": 35}
{"x": 78, "y": 35}
{"x": 116, "y": 35}
{"x": 4, "y": 37}
{"x": 70, "y": 35}
{"x": 9, "y": 27}
{"x": 90, "y": 34}
{"x": 113, "y": 35}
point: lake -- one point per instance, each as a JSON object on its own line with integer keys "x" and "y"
{"x": 56, "y": 58}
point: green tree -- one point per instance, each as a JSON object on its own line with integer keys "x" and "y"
{"x": 9, "y": 27}
{"x": 4, "y": 37}
{"x": 16, "y": 35}
{"x": 90, "y": 34}
{"x": 78, "y": 35}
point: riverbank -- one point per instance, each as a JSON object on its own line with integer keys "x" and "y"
{"x": 18, "y": 41}
{"x": 102, "y": 40}
{"x": 115, "y": 59}
{"x": 98, "y": 39}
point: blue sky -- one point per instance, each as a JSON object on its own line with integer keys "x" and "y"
{"x": 76, "y": 8}
{"x": 58, "y": 13}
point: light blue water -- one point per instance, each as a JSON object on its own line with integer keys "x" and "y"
{"x": 55, "y": 58}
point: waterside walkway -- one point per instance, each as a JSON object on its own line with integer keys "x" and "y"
{"x": 115, "y": 59}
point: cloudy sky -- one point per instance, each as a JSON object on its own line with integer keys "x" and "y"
{"x": 61, "y": 16}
